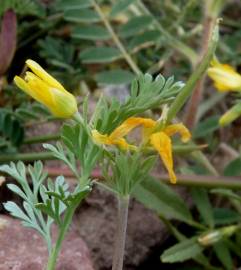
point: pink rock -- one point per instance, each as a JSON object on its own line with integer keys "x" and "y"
{"x": 24, "y": 249}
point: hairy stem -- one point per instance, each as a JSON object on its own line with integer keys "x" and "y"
{"x": 196, "y": 98}
{"x": 119, "y": 248}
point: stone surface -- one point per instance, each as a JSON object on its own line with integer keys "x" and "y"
{"x": 23, "y": 249}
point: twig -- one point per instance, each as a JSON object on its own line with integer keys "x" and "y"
{"x": 196, "y": 98}
{"x": 206, "y": 181}
{"x": 42, "y": 138}
{"x": 229, "y": 150}
{"x": 116, "y": 39}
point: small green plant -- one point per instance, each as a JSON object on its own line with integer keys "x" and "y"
{"x": 99, "y": 139}
{"x": 110, "y": 44}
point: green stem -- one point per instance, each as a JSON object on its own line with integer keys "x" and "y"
{"x": 119, "y": 248}
{"x": 189, "y": 87}
{"x": 55, "y": 251}
{"x": 27, "y": 157}
{"x": 205, "y": 181}
{"x": 77, "y": 117}
{"x": 203, "y": 160}
{"x": 117, "y": 41}
{"x": 42, "y": 138}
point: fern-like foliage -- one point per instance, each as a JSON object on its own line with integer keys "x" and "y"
{"x": 22, "y": 7}
{"x": 42, "y": 204}
{"x": 11, "y": 131}
{"x": 146, "y": 94}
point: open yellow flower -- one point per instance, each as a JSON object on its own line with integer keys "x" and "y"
{"x": 47, "y": 90}
{"x": 159, "y": 140}
{"x": 224, "y": 76}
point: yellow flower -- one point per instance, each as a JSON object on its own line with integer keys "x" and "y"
{"x": 159, "y": 140}
{"x": 224, "y": 76}
{"x": 47, "y": 90}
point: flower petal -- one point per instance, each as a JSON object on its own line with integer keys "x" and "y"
{"x": 65, "y": 104}
{"x": 99, "y": 138}
{"x": 162, "y": 143}
{"x": 225, "y": 77}
{"x": 105, "y": 139}
{"x": 178, "y": 128}
{"x": 23, "y": 85}
{"x": 41, "y": 73}
{"x": 130, "y": 124}
{"x": 39, "y": 90}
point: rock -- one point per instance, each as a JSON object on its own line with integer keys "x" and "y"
{"x": 120, "y": 92}
{"x": 97, "y": 224}
{"x": 24, "y": 249}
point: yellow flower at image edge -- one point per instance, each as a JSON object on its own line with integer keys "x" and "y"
{"x": 224, "y": 76}
{"x": 47, "y": 90}
{"x": 159, "y": 140}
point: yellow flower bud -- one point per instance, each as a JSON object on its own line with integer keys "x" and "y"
{"x": 225, "y": 77}
{"x": 47, "y": 90}
{"x": 210, "y": 238}
{"x": 231, "y": 115}
{"x": 214, "y": 236}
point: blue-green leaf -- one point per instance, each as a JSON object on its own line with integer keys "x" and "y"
{"x": 118, "y": 76}
{"x": 90, "y": 32}
{"x": 81, "y": 16}
{"x": 135, "y": 25}
{"x": 100, "y": 55}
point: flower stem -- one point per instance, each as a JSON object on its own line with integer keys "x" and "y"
{"x": 117, "y": 41}
{"x": 55, "y": 251}
{"x": 190, "y": 85}
{"x": 26, "y": 156}
{"x": 119, "y": 248}
{"x": 197, "y": 95}
{"x": 42, "y": 138}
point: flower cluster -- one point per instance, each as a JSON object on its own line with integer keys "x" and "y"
{"x": 158, "y": 139}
